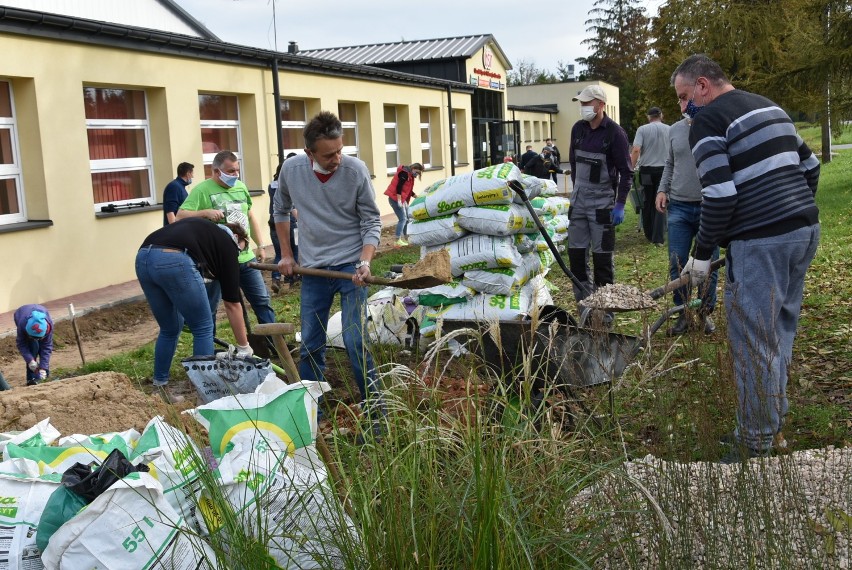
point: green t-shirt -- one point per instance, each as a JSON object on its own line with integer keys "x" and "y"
{"x": 234, "y": 202}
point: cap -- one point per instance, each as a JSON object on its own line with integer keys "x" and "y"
{"x": 589, "y": 93}
{"x": 37, "y": 325}
{"x": 654, "y": 112}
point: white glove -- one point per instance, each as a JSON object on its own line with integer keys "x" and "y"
{"x": 42, "y": 374}
{"x": 235, "y": 352}
{"x": 32, "y": 365}
{"x": 697, "y": 269}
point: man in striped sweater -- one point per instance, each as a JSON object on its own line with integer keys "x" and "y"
{"x": 759, "y": 180}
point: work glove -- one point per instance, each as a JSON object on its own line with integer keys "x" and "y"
{"x": 237, "y": 351}
{"x": 42, "y": 374}
{"x": 32, "y": 365}
{"x": 617, "y": 215}
{"x": 697, "y": 269}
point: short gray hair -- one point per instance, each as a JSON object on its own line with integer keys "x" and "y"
{"x": 221, "y": 157}
{"x": 699, "y": 65}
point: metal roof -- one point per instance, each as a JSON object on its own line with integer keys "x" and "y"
{"x": 415, "y": 50}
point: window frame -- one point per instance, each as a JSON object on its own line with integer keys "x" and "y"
{"x": 349, "y": 150}
{"x": 391, "y": 147}
{"x": 300, "y": 125}
{"x": 207, "y": 157}
{"x": 132, "y": 164}
{"x": 426, "y": 147}
{"x": 13, "y": 171}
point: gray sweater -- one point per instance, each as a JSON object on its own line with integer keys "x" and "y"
{"x": 680, "y": 177}
{"x": 336, "y": 218}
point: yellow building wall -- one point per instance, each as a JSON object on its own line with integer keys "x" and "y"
{"x": 81, "y": 252}
{"x": 569, "y": 111}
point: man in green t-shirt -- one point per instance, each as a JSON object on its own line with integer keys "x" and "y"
{"x": 224, "y": 198}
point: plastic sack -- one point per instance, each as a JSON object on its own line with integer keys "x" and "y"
{"x": 214, "y": 378}
{"x": 57, "y": 459}
{"x": 480, "y": 252}
{"x": 505, "y": 280}
{"x": 174, "y": 461}
{"x": 43, "y": 433}
{"x": 556, "y": 206}
{"x": 484, "y": 186}
{"x": 24, "y": 500}
{"x": 497, "y": 220}
{"x": 434, "y": 230}
{"x": 80, "y": 486}
{"x": 270, "y": 474}
{"x": 130, "y": 526}
{"x": 446, "y": 294}
{"x": 485, "y": 307}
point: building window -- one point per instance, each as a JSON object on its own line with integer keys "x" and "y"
{"x": 119, "y": 145}
{"x": 391, "y": 139}
{"x": 294, "y": 117}
{"x": 11, "y": 188}
{"x": 220, "y": 127}
{"x": 348, "y": 115}
{"x": 460, "y": 134}
{"x": 425, "y": 138}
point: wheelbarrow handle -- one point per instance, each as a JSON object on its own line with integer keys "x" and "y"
{"x": 681, "y": 281}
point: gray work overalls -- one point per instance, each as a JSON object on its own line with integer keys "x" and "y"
{"x": 591, "y": 207}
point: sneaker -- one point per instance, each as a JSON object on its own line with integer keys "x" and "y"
{"x": 276, "y": 285}
{"x": 401, "y": 242}
{"x": 32, "y": 382}
{"x": 741, "y": 454}
{"x": 709, "y": 325}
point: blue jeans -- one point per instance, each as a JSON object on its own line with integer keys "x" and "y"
{"x": 174, "y": 289}
{"x": 401, "y": 215}
{"x": 684, "y": 219}
{"x": 253, "y": 287}
{"x": 34, "y": 346}
{"x": 763, "y": 297}
{"x": 317, "y": 295}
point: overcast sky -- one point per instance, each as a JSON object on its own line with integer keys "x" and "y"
{"x": 540, "y": 32}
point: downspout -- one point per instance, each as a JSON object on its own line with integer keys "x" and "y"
{"x": 450, "y": 112}
{"x": 276, "y": 93}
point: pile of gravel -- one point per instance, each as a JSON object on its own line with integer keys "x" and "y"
{"x": 790, "y": 511}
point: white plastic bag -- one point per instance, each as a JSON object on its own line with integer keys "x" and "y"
{"x": 480, "y": 252}
{"x": 434, "y": 231}
{"x": 497, "y": 220}
{"x": 23, "y": 501}
{"x": 484, "y": 186}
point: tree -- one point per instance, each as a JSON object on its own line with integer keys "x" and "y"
{"x": 619, "y": 50}
{"x": 526, "y": 73}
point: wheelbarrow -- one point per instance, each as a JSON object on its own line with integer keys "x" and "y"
{"x": 561, "y": 350}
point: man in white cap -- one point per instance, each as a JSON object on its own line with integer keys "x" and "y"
{"x": 601, "y": 173}
{"x": 34, "y": 340}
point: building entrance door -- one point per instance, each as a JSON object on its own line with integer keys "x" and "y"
{"x": 494, "y": 140}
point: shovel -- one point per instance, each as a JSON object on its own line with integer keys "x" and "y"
{"x": 419, "y": 282}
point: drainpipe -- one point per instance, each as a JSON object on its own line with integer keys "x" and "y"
{"x": 450, "y": 112}
{"x": 276, "y": 93}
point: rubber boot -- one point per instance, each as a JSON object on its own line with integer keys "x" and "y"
{"x": 578, "y": 261}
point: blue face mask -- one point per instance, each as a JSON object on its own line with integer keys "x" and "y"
{"x": 692, "y": 109}
{"x": 228, "y": 179}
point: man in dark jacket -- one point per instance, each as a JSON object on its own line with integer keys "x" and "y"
{"x": 527, "y": 156}
{"x": 542, "y": 165}
{"x": 557, "y": 156}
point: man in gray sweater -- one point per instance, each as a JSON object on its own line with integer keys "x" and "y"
{"x": 680, "y": 193}
{"x": 339, "y": 229}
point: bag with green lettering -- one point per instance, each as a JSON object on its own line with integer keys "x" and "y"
{"x": 130, "y": 526}
{"x": 80, "y": 486}
{"x": 488, "y": 185}
{"x": 56, "y": 459}
{"x": 434, "y": 231}
{"x": 22, "y": 506}
{"x": 479, "y": 252}
{"x": 174, "y": 461}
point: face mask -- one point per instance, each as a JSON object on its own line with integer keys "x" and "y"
{"x": 588, "y": 113}
{"x": 691, "y": 108}
{"x": 228, "y": 179}
{"x": 319, "y": 169}
{"x": 189, "y": 181}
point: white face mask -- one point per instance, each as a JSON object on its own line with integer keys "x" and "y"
{"x": 588, "y": 113}
{"x": 189, "y": 181}
{"x": 319, "y": 169}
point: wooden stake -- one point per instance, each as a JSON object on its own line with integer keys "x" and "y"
{"x": 76, "y": 332}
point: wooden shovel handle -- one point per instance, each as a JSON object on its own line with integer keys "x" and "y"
{"x": 327, "y": 273}
{"x": 681, "y": 281}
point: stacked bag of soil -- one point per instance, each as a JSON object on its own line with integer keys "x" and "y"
{"x": 496, "y": 254}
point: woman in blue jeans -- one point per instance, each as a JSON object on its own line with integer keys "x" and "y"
{"x": 171, "y": 266}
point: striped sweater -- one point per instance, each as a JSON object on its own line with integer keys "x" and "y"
{"x": 758, "y": 177}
